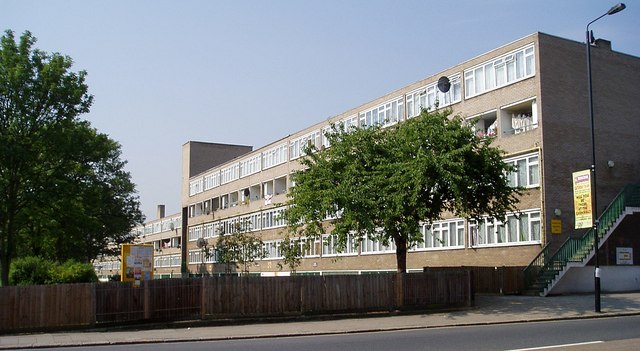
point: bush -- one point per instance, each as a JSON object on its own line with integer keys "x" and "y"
{"x": 30, "y": 270}
{"x": 36, "y": 270}
{"x": 72, "y": 272}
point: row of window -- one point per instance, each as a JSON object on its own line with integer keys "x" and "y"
{"x": 526, "y": 174}
{"x": 504, "y": 70}
{"x": 254, "y": 164}
{"x": 521, "y": 228}
{"x": 164, "y": 225}
{"x": 167, "y": 261}
{"x": 263, "y": 191}
{"x": 431, "y": 98}
{"x": 106, "y": 265}
{"x": 266, "y": 219}
{"x": 493, "y": 74}
{"x": 297, "y": 146}
{"x": 386, "y": 114}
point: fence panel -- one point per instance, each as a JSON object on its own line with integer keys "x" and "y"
{"x": 438, "y": 287}
{"x": 118, "y": 302}
{"x": 173, "y": 299}
{"x": 45, "y": 306}
{"x": 491, "y": 280}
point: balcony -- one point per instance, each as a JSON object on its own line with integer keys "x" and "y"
{"x": 519, "y": 117}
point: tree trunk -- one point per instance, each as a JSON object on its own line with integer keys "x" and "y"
{"x": 4, "y": 269}
{"x": 401, "y": 253}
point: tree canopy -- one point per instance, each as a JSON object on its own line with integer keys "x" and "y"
{"x": 64, "y": 193}
{"x": 240, "y": 247}
{"x": 384, "y": 183}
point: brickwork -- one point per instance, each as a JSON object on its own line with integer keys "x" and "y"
{"x": 557, "y": 96}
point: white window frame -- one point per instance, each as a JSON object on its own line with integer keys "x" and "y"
{"x": 251, "y": 165}
{"x": 529, "y": 162}
{"x": 274, "y": 156}
{"x": 442, "y": 235}
{"x": 501, "y": 71}
{"x": 385, "y": 114}
{"x": 491, "y": 232}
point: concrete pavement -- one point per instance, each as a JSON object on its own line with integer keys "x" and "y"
{"x": 487, "y": 310}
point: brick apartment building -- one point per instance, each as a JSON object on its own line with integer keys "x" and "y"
{"x": 530, "y": 95}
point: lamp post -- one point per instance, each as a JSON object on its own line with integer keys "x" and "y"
{"x": 594, "y": 208}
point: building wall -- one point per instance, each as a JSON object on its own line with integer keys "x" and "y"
{"x": 566, "y": 124}
{"x": 555, "y": 97}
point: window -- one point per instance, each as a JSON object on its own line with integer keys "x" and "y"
{"x": 194, "y": 233}
{"x": 498, "y": 72}
{"x": 330, "y": 242}
{"x": 251, "y": 165}
{"x": 196, "y": 186}
{"x": 230, "y": 173}
{"x": 390, "y": 112}
{"x": 527, "y": 173}
{"x": 516, "y": 229}
{"x": 195, "y": 256}
{"x": 444, "y": 234}
{"x": 430, "y": 97}
{"x": 273, "y": 218}
{"x": 297, "y": 146}
{"x": 370, "y": 246}
{"x": 272, "y": 249}
{"x": 309, "y": 247}
{"x": 212, "y": 180}
{"x": 274, "y": 156}
{"x": 207, "y": 231}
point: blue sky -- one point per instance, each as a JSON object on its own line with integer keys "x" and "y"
{"x": 251, "y": 72}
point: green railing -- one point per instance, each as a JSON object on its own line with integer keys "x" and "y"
{"x": 545, "y": 267}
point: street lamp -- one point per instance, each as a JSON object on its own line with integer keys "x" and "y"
{"x": 615, "y": 9}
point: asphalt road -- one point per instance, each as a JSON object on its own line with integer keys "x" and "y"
{"x": 574, "y": 335}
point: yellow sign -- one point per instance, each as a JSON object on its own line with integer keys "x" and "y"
{"x": 582, "y": 199}
{"x": 556, "y": 226}
{"x": 137, "y": 263}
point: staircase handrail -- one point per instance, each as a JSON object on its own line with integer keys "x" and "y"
{"x": 628, "y": 196}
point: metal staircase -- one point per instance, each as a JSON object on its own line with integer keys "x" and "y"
{"x": 548, "y": 268}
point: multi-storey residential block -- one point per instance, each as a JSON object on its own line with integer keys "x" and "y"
{"x": 529, "y": 95}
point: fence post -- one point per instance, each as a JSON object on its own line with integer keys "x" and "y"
{"x": 94, "y": 303}
{"x": 203, "y": 300}
{"x": 470, "y": 288}
{"x": 146, "y": 299}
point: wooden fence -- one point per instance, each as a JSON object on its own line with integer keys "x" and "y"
{"x": 491, "y": 280}
{"x": 79, "y": 305}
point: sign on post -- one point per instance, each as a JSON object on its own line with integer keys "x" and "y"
{"x": 137, "y": 263}
{"x": 582, "y": 199}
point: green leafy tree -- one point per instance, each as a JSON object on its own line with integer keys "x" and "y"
{"x": 292, "y": 251}
{"x": 383, "y": 183}
{"x": 64, "y": 193}
{"x": 241, "y": 247}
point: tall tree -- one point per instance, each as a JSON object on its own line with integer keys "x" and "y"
{"x": 383, "y": 183}
{"x": 63, "y": 190}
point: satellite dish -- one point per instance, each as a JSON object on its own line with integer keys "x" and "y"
{"x": 201, "y": 243}
{"x": 444, "y": 84}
